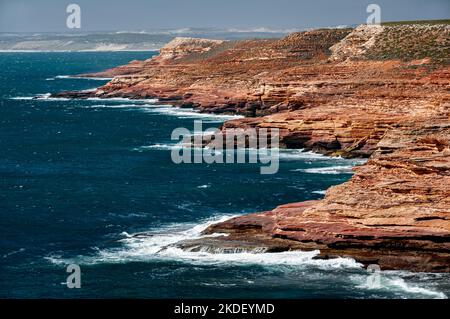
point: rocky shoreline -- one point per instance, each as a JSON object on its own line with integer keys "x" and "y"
{"x": 377, "y": 92}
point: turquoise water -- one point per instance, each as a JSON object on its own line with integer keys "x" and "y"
{"x": 78, "y": 177}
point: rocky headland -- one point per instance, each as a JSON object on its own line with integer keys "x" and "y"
{"x": 377, "y": 92}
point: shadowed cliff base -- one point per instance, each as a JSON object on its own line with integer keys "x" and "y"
{"x": 380, "y": 92}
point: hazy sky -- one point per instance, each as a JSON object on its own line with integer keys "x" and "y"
{"x": 134, "y": 15}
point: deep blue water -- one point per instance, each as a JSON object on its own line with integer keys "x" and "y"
{"x": 78, "y": 176}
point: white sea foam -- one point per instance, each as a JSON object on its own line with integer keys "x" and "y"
{"x": 163, "y": 147}
{"x": 399, "y": 283}
{"x": 339, "y": 169}
{"x": 14, "y": 252}
{"x": 122, "y": 99}
{"x": 392, "y": 282}
{"x": 166, "y": 147}
{"x": 323, "y": 192}
{"x": 189, "y": 113}
{"x": 295, "y": 154}
{"x": 45, "y": 96}
{"x": 158, "y": 245}
{"x": 284, "y": 154}
{"x": 22, "y": 98}
{"x": 74, "y": 77}
{"x": 89, "y": 90}
{"x": 183, "y": 113}
{"x": 117, "y": 106}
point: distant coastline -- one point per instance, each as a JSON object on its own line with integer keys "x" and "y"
{"x": 123, "y": 41}
{"x": 70, "y": 51}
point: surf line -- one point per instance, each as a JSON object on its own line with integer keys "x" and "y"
{"x": 222, "y": 146}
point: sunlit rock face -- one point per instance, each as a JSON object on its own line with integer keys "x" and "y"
{"x": 378, "y": 92}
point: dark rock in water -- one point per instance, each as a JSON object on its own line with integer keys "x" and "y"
{"x": 74, "y": 94}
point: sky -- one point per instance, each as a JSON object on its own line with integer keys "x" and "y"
{"x": 136, "y": 15}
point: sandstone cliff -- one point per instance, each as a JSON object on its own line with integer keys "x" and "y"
{"x": 394, "y": 212}
{"x": 380, "y": 92}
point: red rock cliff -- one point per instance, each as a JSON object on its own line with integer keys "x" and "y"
{"x": 376, "y": 91}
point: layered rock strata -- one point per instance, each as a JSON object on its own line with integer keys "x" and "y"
{"x": 394, "y": 212}
{"x": 379, "y": 92}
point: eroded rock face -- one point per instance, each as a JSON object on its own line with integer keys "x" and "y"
{"x": 357, "y": 43}
{"x": 394, "y": 212}
{"x": 182, "y": 46}
{"x": 376, "y": 92}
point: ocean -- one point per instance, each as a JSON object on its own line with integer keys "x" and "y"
{"x": 80, "y": 177}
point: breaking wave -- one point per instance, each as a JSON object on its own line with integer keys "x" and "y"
{"x": 157, "y": 244}
{"x": 45, "y": 96}
{"x": 339, "y": 169}
{"x": 295, "y": 154}
{"x": 117, "y": 106}
{"x": 391, "y": 281}
{"x": 189, "y": 113}
{"x": 283, "y": 154}
{"x": 160, "y": 147}
{"x": 151, "y": 106}
{"x": 122, "y": 99}
{"x": 74, "y": 77}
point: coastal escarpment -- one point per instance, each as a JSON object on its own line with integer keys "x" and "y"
{"x": 379, "y": 92}
{"x": 394, "y": 211}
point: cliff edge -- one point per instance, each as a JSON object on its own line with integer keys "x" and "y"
{"x": 378, "y": 92}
